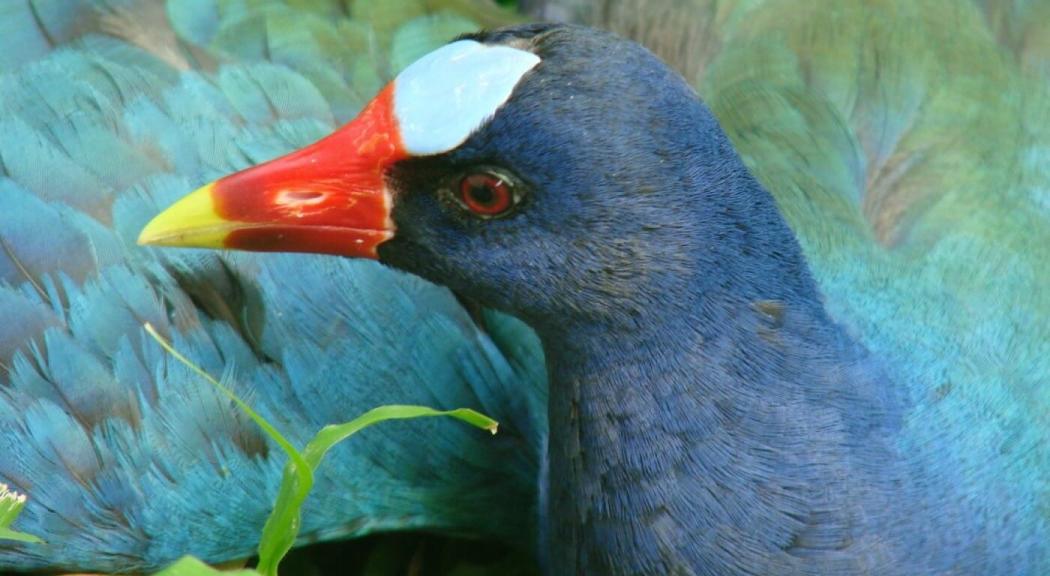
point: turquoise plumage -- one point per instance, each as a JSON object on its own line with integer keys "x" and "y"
{"x": 905, "y": 142}
{"x": 128, "y": 459}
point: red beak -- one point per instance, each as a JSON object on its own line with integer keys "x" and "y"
{"x": 329, "y": 197}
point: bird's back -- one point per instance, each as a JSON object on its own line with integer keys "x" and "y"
{"x": 906, "y": 144}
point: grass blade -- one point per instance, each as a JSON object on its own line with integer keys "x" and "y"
{"x": 282, "y": 526}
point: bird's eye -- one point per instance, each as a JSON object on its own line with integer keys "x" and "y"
{"x": 486, "y": 195}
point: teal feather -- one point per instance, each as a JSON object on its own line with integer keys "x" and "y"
{"x": 31, "y": 29}
{"x": 418, "y": 36}
{"x": 129, "y": 459}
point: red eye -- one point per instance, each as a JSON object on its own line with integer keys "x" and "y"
{"x": 486, "y": 194}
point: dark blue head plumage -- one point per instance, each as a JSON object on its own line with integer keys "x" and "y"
{"x": 628, "y": 189}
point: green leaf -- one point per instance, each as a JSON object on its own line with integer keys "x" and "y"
{"x": 190, "y": 566}
{"x": 11, "y": 504}
{"x": 282, "y": 526}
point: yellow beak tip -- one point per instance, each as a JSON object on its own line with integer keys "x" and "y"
{"x": 191, "y": 221}
{"x": 149, "y": 234}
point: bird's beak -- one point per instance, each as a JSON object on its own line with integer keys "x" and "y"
{"x": 329, "y": 197}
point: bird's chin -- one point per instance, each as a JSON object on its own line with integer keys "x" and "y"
{"x": 406, "y": 255}
{"x": 403, "y": 254}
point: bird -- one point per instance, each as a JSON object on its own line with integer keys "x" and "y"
{"x": 833, "y": 365}
{"x": 707, "y": 415}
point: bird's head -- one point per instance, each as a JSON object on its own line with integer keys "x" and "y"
{"x": 546, "y": 170}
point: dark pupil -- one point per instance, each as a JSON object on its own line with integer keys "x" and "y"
{"x": 482, "y": 194}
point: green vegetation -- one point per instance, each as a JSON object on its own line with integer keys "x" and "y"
{"x": 282, "y": 527}
{"x": 11, "y": 504}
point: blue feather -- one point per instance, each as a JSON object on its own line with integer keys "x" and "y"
{"x": 129, "y": 459}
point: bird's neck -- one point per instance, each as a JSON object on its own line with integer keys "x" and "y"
{"x": 717, "y": 419}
